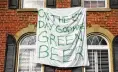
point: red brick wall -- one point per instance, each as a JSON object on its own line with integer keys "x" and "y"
{"x": 63, "y": 3}
{"x": 12, "y": 21}
{"x": 108, "y": 20}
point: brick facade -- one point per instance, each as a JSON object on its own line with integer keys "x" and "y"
{"x": 11, "y": 21}
{"x": 63, "y": 3}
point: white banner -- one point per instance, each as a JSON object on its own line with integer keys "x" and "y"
{"x": 61, "y": 37}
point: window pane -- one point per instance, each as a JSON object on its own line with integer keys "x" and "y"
{"x": 27, "y": 55}
{"x": 96, "y": 40}
{"x": 93, "y": 4}
{"x": 28, "y": 40}
{"x": 33, "y": 3}
{"x": 101, "y": 3}
{"x": 26, "y": 61}
{"x": 87, "y": 4}
{"x": 102, "y": 63}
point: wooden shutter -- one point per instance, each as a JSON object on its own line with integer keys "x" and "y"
{"x": 115, "y": 52}
{"x": 75, "y": 3}
{"x": 113, "y": 3}
{"x": 77, "y": 69}
{"x": 49, "y": 68}
{"x": 10, "y": 54}
{"x": 13, "y": 4}
{"x": 51, "y": 3}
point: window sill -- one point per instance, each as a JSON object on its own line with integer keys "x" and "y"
{"x": 88, "y": 10}
{"x": 27, "y": 10}
{"x": 98, "y": 9}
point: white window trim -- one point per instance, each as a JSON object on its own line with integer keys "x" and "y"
{"x": 106, "y": 8}
{"x": 97, "y": 47}
{"x": 96, "y": 61}
{"x": 100, "y": 47}
{"x": 27, "y": 47}
{"x": 22, "y": 4}
{"x": 106, "y": 3}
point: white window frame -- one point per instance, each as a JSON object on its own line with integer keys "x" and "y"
{"x": 101, "y": 47}
{"x": 106, "y": 8}
{"x": 21, "y": 4}
{"x": 23, "y": 46}
{"x": 106, "y": 4}
{"x": 27, "y": 47}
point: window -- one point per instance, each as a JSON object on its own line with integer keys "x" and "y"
{"x": 98, "y": 54}
{"x": 90, "y": 3}
{"x": 13, "y": 4}
{"x": 32, "y": 3}
{"x": 95, "y": 3}
{"x": 25, "y": 4}
{"x": 27, "y": 55}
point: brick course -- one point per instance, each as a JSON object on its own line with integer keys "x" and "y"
{"x": 11, "y": 21}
